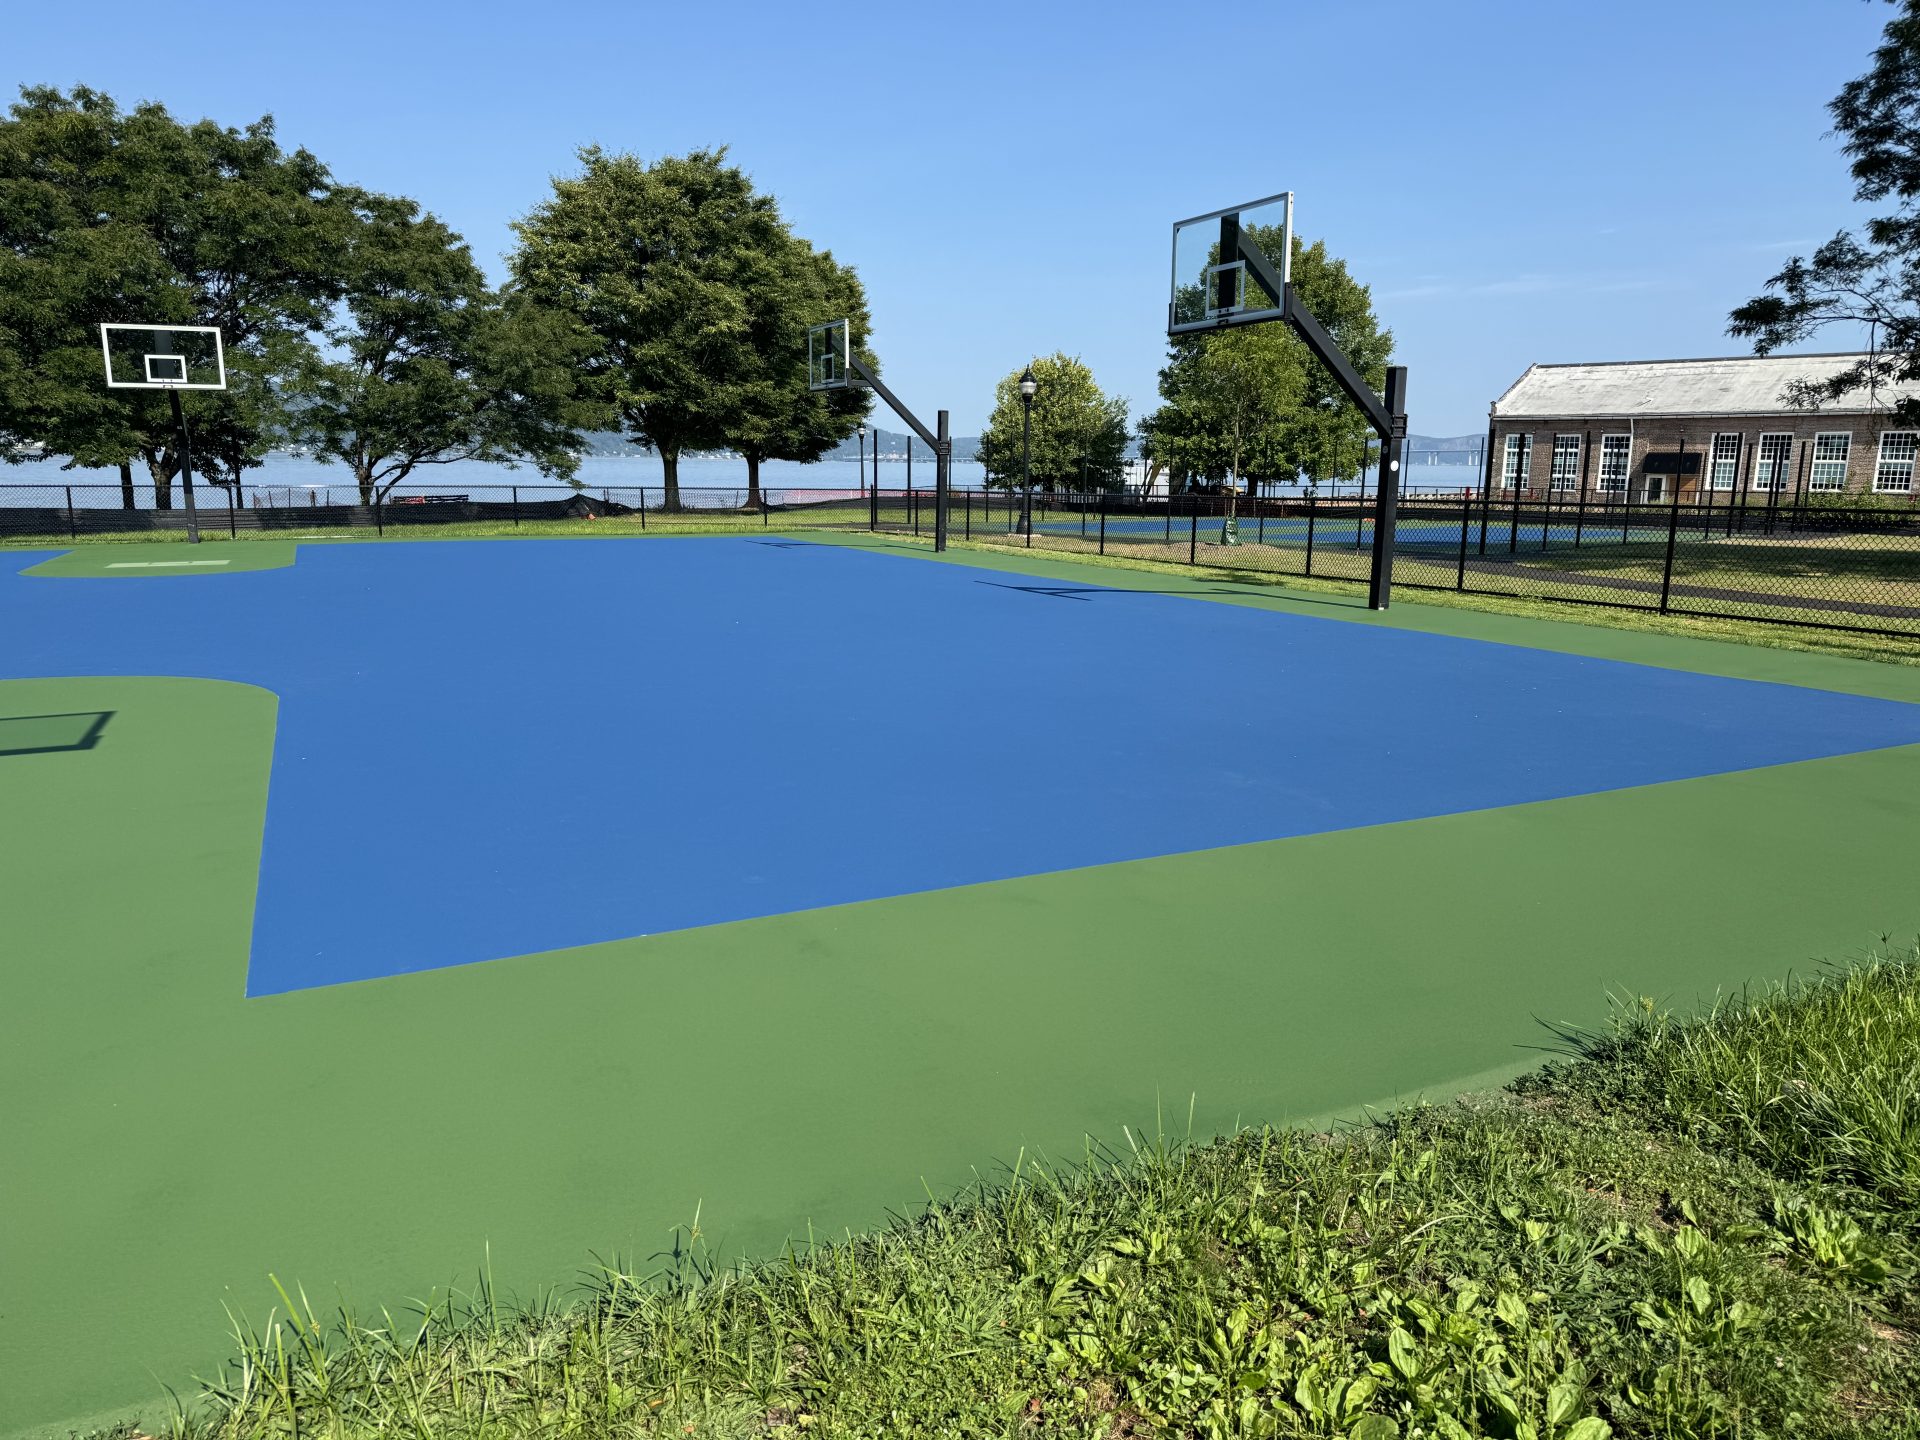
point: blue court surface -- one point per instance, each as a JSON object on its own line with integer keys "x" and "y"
{"x": 488, "y": 750}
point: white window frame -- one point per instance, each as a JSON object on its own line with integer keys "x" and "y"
{"x": 1781, "y": 461}
{"x": 1724, "y": 467}
{"x": 1565, "y": 471}
{"x": 1832, "y": 480}
{"x": 1616, "y": 484}
{"x": 1516, "y": 461}
{"x": 1881, "y": 463}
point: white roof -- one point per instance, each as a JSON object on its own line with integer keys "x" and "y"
{"x": 1736, "y": 385}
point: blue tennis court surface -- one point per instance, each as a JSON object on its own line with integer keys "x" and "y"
{"x": 490, "y": 749}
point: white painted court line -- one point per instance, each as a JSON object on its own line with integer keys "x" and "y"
{"x": 159, "y": 564}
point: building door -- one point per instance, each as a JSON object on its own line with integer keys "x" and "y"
{"x": 1656, "y": 489}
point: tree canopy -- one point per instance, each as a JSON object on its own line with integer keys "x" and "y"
{"x": 133, "y": 216}
{"x": 1079, "y": 432}
{"x": 426, "y": 365}
{"x": 1871, "y": 278}
{"x": 1251, "y": 403}
{"x": 665, "y": 265}
{"x": 777, "y": 416}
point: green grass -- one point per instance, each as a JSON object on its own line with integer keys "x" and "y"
{"x": 1693, "y": 1228}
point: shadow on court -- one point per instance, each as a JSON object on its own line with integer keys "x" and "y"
{"x": 47, "y": 734}
{"x": 1087, "y": 592}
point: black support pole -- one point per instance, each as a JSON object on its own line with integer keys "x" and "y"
{"x": 186, "y": 466}
{"x": 942, "y": 481}
{"x": 1673, "y": 530}
{"x": 1387, "y": 500}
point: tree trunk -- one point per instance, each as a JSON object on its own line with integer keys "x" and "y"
{"x": 670, "y": 477}
{"x": 753, "y": 482}
{"x": 126, "y": 485}
{"x": 159, "y": 466}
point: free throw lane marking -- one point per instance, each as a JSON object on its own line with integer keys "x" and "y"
{"x": 157, "y": 564}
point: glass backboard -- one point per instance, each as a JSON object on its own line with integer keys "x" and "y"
{"x": 1212, "y": 288}
{"x": 163, "y": 357}
{"x": 829, "y": 347}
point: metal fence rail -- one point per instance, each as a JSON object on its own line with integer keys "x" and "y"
{"x": 1789, "y": 562}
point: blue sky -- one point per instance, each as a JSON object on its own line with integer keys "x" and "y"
{"x": 1518, "y": 182}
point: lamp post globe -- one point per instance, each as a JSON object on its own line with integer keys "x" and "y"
{"x": 1027, "y": 386}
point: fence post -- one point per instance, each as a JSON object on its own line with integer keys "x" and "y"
{"x": 643, "y": 507}
{"x": 873, "y": 509}
{"x": 1513, "y": 522}
{"x": 1486, "y": 507}
{"x": 1466, "y": 524}
{"x": 1103, "y": 522}
{"x": 1311, "y": 511}
{"x": 1673, "y": 533}
{"x": 966, "y": 510}
{"x": 1193, "y": 532}
{"x": 516, "y": 507}
{"x": 765, "y": 510}
{"x": 73, "y": 528}
{"x": 233, "y": 507}
{"x": 379, "y": 521}
{"x": 1580, "y": 515}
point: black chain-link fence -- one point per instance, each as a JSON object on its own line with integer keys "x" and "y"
{"x": 1828, "y": 566}
{"x": 1786, "y": 562}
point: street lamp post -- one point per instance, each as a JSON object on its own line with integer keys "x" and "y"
{"x": 1027, "y": 386}
{"x": 863, "y": 463}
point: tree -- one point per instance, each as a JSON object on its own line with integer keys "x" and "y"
{"x": 661, "y": 264}
{"x": 777, "y": 416}
{"x": 1872, "y": 278}
{"x": 427, "y": 365}
{"x": 1079, "y": 433}
{"x": 135, "y": 217}
{"x": 1250, "y": 404}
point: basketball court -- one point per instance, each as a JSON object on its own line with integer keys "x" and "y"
{"x": 393, "y": 910}
{"x": 423, "y": 916}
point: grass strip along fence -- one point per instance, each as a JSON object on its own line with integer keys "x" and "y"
{"x": 1686, "y": 1227}
{"x": 1788, "y": 562}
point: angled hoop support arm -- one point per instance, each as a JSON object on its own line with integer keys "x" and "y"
{"x": 941, "y": 445}
{"x": 873, "y": 383}
{"x": 1387, "y": 416}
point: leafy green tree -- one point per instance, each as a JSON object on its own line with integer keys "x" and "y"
{"x": 777, "y": 417}
{"x": 426, "y": 365}
{"x": 1871, "y": 278}
{"x": 132, "y": 216}
{"x": 1079, "y": 432}
{"x": 1252, "y": 404}
{"x": 661, "y": 264}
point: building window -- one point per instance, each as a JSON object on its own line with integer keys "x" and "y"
{"x": 1615, "y": 453}
{"x": 1830, "y": 451}
{"x": 1726, "y": 462}
{"x": 1516, "y": 466}
{"x": 1770, "y": 462}
{"x": 1566, "y": 462}
{"x": 1894, "y": 474}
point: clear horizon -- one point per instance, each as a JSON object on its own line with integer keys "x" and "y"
{"x": 1516, "y": 184}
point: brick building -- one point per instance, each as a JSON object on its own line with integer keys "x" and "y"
{"x": 1709, "y": 430}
